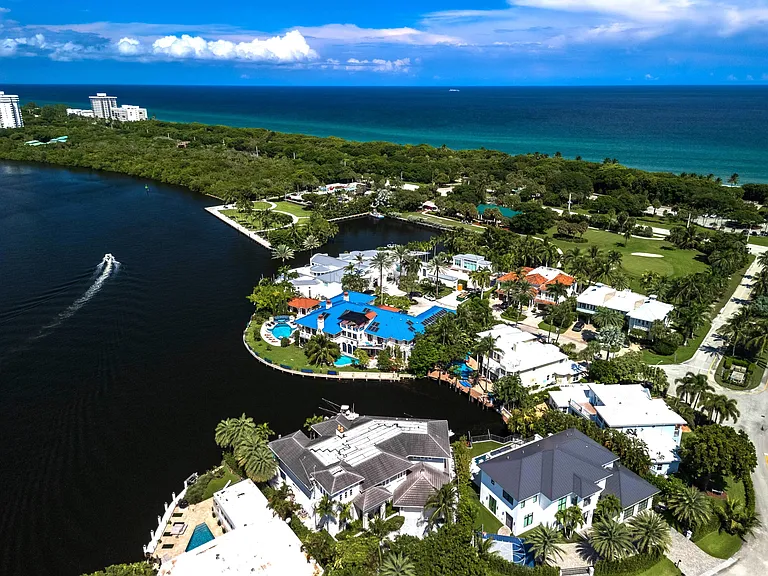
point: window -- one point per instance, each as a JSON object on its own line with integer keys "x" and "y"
{"x": 629, "y": 512}
{"x": 528, "y": 520}
{"x": 562, "y": 504}
{"x": 574, "y": 499}
{"x": 587, "y": 501}
{"x": 522, "y": 504}
{"x": 493, "y": 482}
{"x": 492, "y": 504}
{"x": 508, "y": 497}
{"x": 535, "y": 499}
{"x": 659, "y": 466}
{"x": 642, "y": 506}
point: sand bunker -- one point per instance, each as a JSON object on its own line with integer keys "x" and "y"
{"x": 647, "y": 255}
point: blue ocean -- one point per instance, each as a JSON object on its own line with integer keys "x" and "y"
{"x": 713, "y": 129}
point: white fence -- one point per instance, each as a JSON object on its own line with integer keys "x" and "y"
{"x": 162, "y": 522}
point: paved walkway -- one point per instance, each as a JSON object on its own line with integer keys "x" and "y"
{"x": 691, "y": 559}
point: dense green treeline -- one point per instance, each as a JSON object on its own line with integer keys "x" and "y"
{"x": 234, "y": 162}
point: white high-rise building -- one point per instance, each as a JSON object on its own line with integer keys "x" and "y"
{"x": 10, "y": 113}
{"x": 103, "y": 105}
{"x": 128, "y": 113}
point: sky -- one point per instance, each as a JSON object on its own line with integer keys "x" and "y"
{"x": 397, "y": 42}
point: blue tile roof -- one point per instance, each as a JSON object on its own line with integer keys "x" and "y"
{"x": 385, "y": 323}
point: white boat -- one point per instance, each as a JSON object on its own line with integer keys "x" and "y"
{"x": 454, "y": 90}
{"x": 376, "y": 214}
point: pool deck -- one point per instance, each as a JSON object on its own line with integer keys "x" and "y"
{"x": 193, "y": 515}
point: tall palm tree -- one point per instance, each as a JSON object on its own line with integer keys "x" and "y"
{"x": 437, "y": 265}
{"x": 604, "y": 317}
{"x": 612, "y": 540}
{"x": 690, "y": 318}
{"x": 311, "y": 242}
{"x": 486, "y": 346}
{"x": 608, "y": 507}
{"x": 736, "y": 518}
{"x": 282, "y": 252}
{"x": 379, "y": 529}
{"x": 737, "y": 329}
{"x": 484, "y": 547}
{"x": 400, "y": 253}
{"x": 481, "y": 278}
{"x": 570, "y": 520}
{"x": 726, "y": 409}
{"x": 558, "y": 291}
{"x": 321, "y": 350}
{"x": 442, "y": 503}
{"x": 650, "y": 533}
{"x": 229, "y": 432}
{"x": 253, "y": 454}
{"x": 343, "y": 513}
{"x": 690, "y": 507}
{"x": 692, "y": 387}
{"x": 396, "y": 564}
{"x": 325, "y": 511}
{"x": 381, "y": 262}
{"x": 543, "y": 541}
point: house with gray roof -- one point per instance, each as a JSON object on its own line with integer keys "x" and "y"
{"x": 526, "y": 487}
{"x": 366, "y": 462}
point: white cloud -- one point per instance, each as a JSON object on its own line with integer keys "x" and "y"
{"x": 650, "y": 77}
{"x": 731, "y": 78}
{"x": 292, "y": 47}
{"x": 4, "y": 10}
{"x": 352, "y": 34}
{"x": 378, "y": 65}
{"x": 764, "y": 77}
{"x": 640, "y": 9}
{"x": 750, "y": 77}
{"x": 128, "y": 46}
{"x": 8, "y": 47}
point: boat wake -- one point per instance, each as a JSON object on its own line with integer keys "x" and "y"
{"x": 105, "y": 269}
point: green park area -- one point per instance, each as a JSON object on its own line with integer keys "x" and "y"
{"x": 479, "y": 448}
{"x": 292, "y": 208}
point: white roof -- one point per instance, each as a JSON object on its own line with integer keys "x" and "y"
{"x": 472, "y": 257}
{"x": 547, "y": 272}
{"x": 628, "y": 405}
{"x": 267, "y": 547}
{"x": 243, "y": 503}
{"x": 576, "y": 392}
{"x": 520, "y": 351}
{"x": 651, "y": 310}
{"x": 602, "y": 295}
{"x": 410, "y": 187}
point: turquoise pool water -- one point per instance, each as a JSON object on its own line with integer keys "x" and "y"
{"x": 281, "y": 330}
{"x": 345, "y": 361}
{"x": 200, "y": 536}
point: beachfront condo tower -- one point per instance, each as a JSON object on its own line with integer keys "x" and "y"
{"x": 103, "y": 105}
{"x": 10, "y": 113}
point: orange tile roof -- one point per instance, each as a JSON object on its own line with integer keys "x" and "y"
{"x": 563, "y": 279}
{"x": 390, "y": 308}
{"x": 370, "y": 315}
{"x": 536, "y": 279}
{"x": 512, "y": 276}
{"x": 303, "y": 303}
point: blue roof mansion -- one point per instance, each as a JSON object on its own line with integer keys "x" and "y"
{"x": 352, "y": 321}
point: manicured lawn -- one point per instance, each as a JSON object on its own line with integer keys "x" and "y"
{"x": 485, "y": 520}
{"x": 218, "y": 483}
{"x": 720, "y": 544}
{"x": 759, "y": 240}
{"x": 675, "y": 262}
{"x": 292, "y": 355}
{"x": 294, "y": 209}
{"x": 483, "y": 447}
{"x": 442, "y": 221}
{"x": 664, "y": 567}
{"x": 686, "y": 352}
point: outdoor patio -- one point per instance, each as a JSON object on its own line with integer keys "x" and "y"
{"x": 183, "y": 521}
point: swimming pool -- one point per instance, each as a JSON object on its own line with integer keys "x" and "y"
{"x": 465, "y": 372}
{"x": 200, "y": 536}
{"x": 281, "y": 330}
{"x": 345, "y": 361}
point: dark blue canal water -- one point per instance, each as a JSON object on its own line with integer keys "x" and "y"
{"x": 113, "y": 376}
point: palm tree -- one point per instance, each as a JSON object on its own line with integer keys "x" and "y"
{"x": 604, "y": 317}
{"x": 311, "y": 242}
{"x": 282, "y": 252}
{"x": 253, "y": 454}
{"x": 400, "y": 253}
{"x": 690, "y": 318}
{"x": 760, "y": 283}
{"x": 381, "y": 262}
{"x": 692, "y": 387}
{"x": 321, "y": 350}
{"x": 437, "y": 265}
{"x": 543, "y": 541}
{"x": 737, "y": 329}
{"x": 570, "y": 519}
{"x": 736, "y": 518}
{"x": 379, "y": 529}
{"x": 690, "y": 507}
{"x": 325, "y": 509}
{"x": 608, "y": 507}
{"x": 650, "y": 533}
{"x": 396, "y": 564}
{"x": 486, "y": 346}
{"x": 725, "y": 408}
{"x": 229, "y": 432}
{"x": 612, "y": 540}
{"x": 442, "y": 503}
{"x": 557, "y": 291}
{"x": 611, "y": 338}
{"x": 343, "y": 513}
{"x": 481, "y": 278}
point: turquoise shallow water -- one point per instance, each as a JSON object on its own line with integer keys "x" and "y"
{"x": 719, "y": 130}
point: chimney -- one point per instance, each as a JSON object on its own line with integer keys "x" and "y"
{"x": 346, "y": 296}
{"x": 328, "y": 304}
{"x": 320, "y": 323}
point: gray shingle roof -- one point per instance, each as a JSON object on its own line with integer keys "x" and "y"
{"x": 421, "y": 482}
{"x": 334, "y": 480}
{"x": 628, "y": 486}
{"x": 291, "y": 452}
{"x": 371, "y": 499}
{"x": 381, "y": 467}
{"x": 561, "y": 464}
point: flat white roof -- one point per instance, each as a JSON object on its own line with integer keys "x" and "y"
{"x": 627, "y": 405}
{"x": 520, "y": 351}
{"x": 651, "y": 311}
{"x": 243, "y": 503}
{"x": 602, "y": 295}
{"x": 268, "y": 548}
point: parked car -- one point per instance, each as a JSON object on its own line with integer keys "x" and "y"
{"x": 579, "y": 326}
{"x": 415, "y": 294}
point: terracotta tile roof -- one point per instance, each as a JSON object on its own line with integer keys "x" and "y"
{"x": 303, "y": 303}
{"x": 536, "y": 279}
{"x": 370, "y": 315}
{"x": 390, "y": 308}
{"x": 512, "y": 276}
{"x": 562, "y": 279}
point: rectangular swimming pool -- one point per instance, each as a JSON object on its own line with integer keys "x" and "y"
{"x": 200, "y": 536}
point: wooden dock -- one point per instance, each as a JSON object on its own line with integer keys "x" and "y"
{"x": 474, "y": 395}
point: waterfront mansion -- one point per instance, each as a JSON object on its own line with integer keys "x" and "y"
{"x": 368, "y": 461}
{"x": 630, "y": 409}
{"x": 526, "y": 486}
{"x": 352, "y": 321}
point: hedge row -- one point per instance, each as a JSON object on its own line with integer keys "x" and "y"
{"x": 631, "y": 565}
{"x": 498, "y": 565}
{"x": 749, "y": 492}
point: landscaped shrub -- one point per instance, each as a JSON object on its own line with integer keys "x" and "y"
{"x": 644, "y": 231}
{"x": 231, "y": 461}
{"x": 749, "y": 492}
{"x": 197, "y": 490}
{"x": 498, "y": 565}
{"x": 712, "y": 525}
{"x": 630, "y": 565}
{"x": 285, "y": 342}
